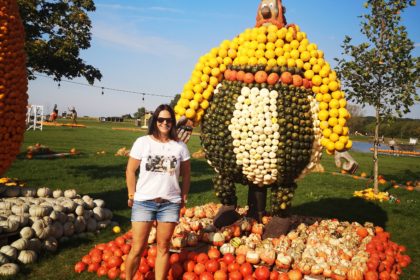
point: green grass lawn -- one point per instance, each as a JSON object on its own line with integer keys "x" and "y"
{"x": 103, "y": 176}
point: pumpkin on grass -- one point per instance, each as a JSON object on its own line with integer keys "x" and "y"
{"x": 13, "y": 83}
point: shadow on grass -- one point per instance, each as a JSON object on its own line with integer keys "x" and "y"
{"x": 200, "y": 167}
{"x": 99, "y": 172}
{"x": 354, "y": 209}
{"x": 201, "y": 186}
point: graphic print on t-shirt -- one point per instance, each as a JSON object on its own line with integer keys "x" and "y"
{"x": 159, "y": 163}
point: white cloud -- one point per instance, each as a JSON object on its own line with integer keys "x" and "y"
{"x": 416, "y": 45}
{"x": 139, "y": 9}
{"x": 134, "y": 41}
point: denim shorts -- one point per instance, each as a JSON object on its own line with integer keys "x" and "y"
{"x": 146, "y": 211}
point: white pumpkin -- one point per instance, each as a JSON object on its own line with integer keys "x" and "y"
{"x": 27, "y": 256}
{"x": 20, "y": 209}
{"x": 40, "y": 210}
{"x": 58, "y": 208}
{"x": 42, "y": 229}
{"x": 57, "y": 193}
{"x": 79, "y": 210}
{"x": 5, "y": 205}
{"x": 21, "y": 219}
{"x": 69, "y": 205}
{"x": 9, "y": 269}
{"x": 20, "y": 244}
{"x": 86, "y": 198}
{"x": 227, "y": 248}
{"x": 44, "y": 192}
{"x": 89, "y": 204}
{"x": 99, "y": 213}
{"x": 26, "y": 233}
{"x": 99, "y": 202}
{"x": 9, "y": 225}
{"x": 71, "y": 193}
{"x": 9, "y": 251}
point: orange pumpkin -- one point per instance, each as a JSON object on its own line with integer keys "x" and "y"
{"x": 409, "y": 188}
{"x": 261, "y": 77}
{"x": 240, "y": 75}
{"x": 13, "y": 83}
{"x": 272, "y": 78}
{"x": 362, "y": 232}
{"x": 286, "y": 78}
{"x": 248, "y": 78}
{"x": 297, "y": 80}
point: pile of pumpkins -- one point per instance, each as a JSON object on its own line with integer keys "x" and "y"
{"x": 319, "y": 248}
{"x": 44, "y": 218}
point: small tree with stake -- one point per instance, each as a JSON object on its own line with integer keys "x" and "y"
{"x": 381, "y": 72}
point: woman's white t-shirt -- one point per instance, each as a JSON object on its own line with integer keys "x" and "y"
{"x": 159, "y": 168}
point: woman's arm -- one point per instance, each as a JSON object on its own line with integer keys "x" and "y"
{"x": 185, "y": 173}
{"x": 130, "y": 177}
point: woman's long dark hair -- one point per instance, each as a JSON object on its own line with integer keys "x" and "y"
{"x": 153, "y": 129}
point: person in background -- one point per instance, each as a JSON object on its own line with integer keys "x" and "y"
{"x": 54, "y": 114}
{"x": 73, "y": 115}
{"x": 156, "y": 197}
{"x": 391, "y": 144}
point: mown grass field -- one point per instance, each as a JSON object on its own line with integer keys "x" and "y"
{"x": 102, "y": 176}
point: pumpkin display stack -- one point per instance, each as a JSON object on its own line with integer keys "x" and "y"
{"x": 268, "y": 103}
{"x": 13, "y": 83}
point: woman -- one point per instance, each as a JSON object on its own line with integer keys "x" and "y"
{"x": 157, "y": 195}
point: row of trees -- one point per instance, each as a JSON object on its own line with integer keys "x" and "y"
{"x": 398, "y": 128}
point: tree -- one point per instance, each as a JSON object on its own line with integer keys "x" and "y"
{"x": 140, "y": 113}
{"x": 381, "y": 72}
{"x": 357, "y": 121}
{"x": 56, "y": 31}
{"x": 175, "y": 100}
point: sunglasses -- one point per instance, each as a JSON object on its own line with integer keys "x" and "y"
{"x": 161, "y": 120}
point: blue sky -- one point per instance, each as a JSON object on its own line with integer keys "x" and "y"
{"x": 152, "y": 47}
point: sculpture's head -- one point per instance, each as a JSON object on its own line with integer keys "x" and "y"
{"x": 271, "y": 12}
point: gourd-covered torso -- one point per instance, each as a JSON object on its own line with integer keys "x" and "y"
{"x": 259, "y": 133}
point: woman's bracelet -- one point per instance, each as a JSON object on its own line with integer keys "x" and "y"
{"x": 130, "y": 196}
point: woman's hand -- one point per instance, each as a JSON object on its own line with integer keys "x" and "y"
{"x": 130, "y": 202}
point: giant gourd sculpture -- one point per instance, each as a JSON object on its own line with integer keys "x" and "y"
{"x": 268, "y": 103}
{"x": 13, "y": 83}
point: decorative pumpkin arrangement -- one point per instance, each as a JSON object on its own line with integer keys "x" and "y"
{"x": 38, "y": 149}
{"x": 44, "y": 218}
{"x": 397, "y": 152}
{"x": 268, "y": 103}
{"x": 122, "y": 152}
{"x": 369, "y": 194}
{"x": 13, "y": 83}
{"x": 318, "y": 248}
